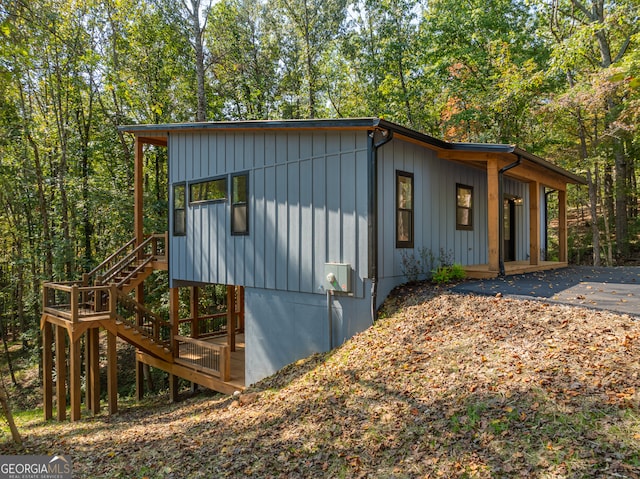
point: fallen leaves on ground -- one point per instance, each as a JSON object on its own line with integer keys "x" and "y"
{"x": 446, "y": 385}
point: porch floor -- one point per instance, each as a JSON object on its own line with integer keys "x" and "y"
{"x": 481, "y": 271}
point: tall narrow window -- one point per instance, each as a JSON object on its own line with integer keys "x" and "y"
{"x": 404, "y": 209}
{"x": 464, "y": 207}
{"x": 179, "y": 213}
{"x": 240, "y": 204}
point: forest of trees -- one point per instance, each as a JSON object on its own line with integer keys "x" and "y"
{"x": 558, "y": 78}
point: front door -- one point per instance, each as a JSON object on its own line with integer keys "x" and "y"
{"x": 509, "y": 225}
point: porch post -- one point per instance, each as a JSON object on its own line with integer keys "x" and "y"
{"x": 562, "y": 226}
{"x": 534, "y": 223}
{"x": 494, "y": 207}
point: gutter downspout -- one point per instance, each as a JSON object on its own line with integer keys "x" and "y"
{"x": 501, "y": 172}
{"x": 387, "y": 136}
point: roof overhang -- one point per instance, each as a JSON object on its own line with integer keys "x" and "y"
{"x": 476, "y": 154}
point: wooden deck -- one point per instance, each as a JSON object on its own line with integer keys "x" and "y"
{"x": 481, "y": 271}
{"x": 191, "y": 368}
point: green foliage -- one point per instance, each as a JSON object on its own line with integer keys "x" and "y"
{"x": 441, "y": 269}
{"x": 448, "y": 274}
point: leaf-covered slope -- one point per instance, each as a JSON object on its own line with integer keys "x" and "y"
{"x": 446, "y": 385}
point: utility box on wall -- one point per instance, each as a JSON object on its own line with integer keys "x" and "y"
{"x": 338, "y": 277}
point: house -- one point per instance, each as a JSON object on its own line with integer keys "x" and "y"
{"x": 310, "y": 224}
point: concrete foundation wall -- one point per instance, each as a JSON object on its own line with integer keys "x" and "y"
{"x": 282, "y": 327}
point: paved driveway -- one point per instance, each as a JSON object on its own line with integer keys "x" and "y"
{"x": 615, "y": 289}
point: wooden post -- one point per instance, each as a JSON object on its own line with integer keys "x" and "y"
{"x": 75, "y": 384}
{"x": 173, "y": 387}
{"x": 562, "y": 227}
{"x": 47, "y": 371}
{"x": 194, "y": 304}
{"x": 166, "y": 246}
{"x": 225, "y": 363}
{"x": 534, "y": 223}
{"x": 138, "y": 194}
{"x": 174, "y": 317}
{"x": 140, "y": 366}
{"x": 241, "y": 308}
{"x": 93, "y": 379}
{"x": 494, "y": 214}
{"x": 61, "y": 373}
{"x": 74, "y": 303}
{"x": 139, "y": 380}
{"x": 112, "y": 373}
{"x": 87, "y": 369}
{"x": 113, "y": 301}
{"x": 231, "y": 318}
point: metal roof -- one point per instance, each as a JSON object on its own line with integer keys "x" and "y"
{"x": 352, "y": 123}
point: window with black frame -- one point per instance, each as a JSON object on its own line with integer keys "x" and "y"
{"x": 464, "y": 207}
{"x": 211, "y": 190}
{"x": 179, "y": 211}
{"x": 240, "y": 204}
{"x": 404, "y": 209}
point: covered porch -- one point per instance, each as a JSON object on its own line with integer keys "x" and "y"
{"x": 539, "y": 177}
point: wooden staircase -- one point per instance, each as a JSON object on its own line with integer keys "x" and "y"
{"x": 103, "y": 295}
{"x": 103, "y": 300}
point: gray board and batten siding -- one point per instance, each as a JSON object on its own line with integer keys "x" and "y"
{"x": 307, "y": 206}
{"x": 435, "y": 230}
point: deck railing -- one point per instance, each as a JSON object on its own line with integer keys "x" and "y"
{"x": 208, "y": 325}
{"x": 153, "y": 248}
{"x": 206, "y": 357}
{"x": 138, "y": 317}
{"x": 72, "y": 301}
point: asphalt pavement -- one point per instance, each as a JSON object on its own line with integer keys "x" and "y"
{"x": 610, "y": 288}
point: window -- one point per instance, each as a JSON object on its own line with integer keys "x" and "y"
{"x": 179, "y": 213}
{"x": 464, "y": 207}
{"x": 404, "y": 210}
{"x": 240, "y": 204}
{"x": 209, "y": 190}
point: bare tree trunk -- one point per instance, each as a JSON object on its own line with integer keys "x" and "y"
{"x": 3, "y": 332}
{"x": 593, "y": 208}
{"x": 607, "y": 228}
{"x": 592, "y": 183}
{"x": 43, "y": 209}
{"x": 622, "y": 223}
{"x": 6, "y": 409}
{"x": 197, "y": 31}
{"x": 633, "y": 184}
{"x": 608, "y": 192}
